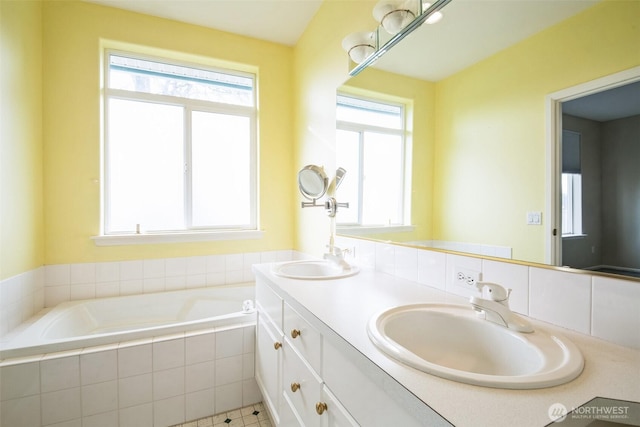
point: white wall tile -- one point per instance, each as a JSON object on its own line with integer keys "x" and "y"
{"x": 153, "y": 268}
{"x": 59, "y": 406}
{"x": 200, "y": 376}
{"x": 105, "y": 419}
{"x": 136, "y": 416}
{"x": 234, "y": 262}
{"x": 216, "y": 263}
{"x": 228, "y": 370}
{"x": 250, "y": 392}
{"x": 175, "y": 283}
{"x": 616, "y": 312}
{"x": 175, "y": 267}
{"x": 510, "y": 276}
{"x": 169, "y": 411}
{"x": 152, "y": 285}
{"x": 233, "y": 276}
{"x": 19, "y": 380}
{"x": 196, "y": 281}
{"x": 54, "y": 295}
{"x": 168, "y": 354}
{"x": 216, "y": 279}
{"x": 248, "y": 366}
{"x": 134, "y": 360}
{"x": 561, "y": 298}
{"x": 168, "y": 383}
{"x": 56, "y": 275}
{"x": 83, "y": 273}
{"x": 406, "y": 263}
{"x": 196, "y": 265}
{"x": 385, "y": 258}
{"x": 107, "y": 272}
{"x": 228, "y": 397}
{"x": 59, "y": 374}
{"x": 83, "y": 291}
{"x": 22, "y": 412}
{"x": 98, "y": 367}
{"x": 131, "y": 270}
{"x": 199, "y": 404}
{"x": 229, "y": 343}
{"x": 131, "y": 287}
{"x": 200, "y": 348}
{"x": 432, "y": 268}
{"x": 100, "y": 397}
{"x": 134, "y": 391}
{"x": 107, "y": 289}
{"x": 249, "y": 336}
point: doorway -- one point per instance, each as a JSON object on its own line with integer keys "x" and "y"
{"x": 602, "y": 158}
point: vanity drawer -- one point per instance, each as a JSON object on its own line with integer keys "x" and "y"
{"x": 301, "y": 386}
{"x": 335, "y": 415}
{"x": 270, "y": 303}
{"x": 303, "y": 337}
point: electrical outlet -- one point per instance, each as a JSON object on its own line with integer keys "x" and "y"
{"x": 467, "y": 278}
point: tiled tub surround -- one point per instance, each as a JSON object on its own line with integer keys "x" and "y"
{"x": 150, "y": 382}
{"x": 603, "y": 307}
{"x": 26, "y": 294}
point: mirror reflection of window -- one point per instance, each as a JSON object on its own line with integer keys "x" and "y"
{"x": 370, "y": 144}
{"x": 571, "y": 184}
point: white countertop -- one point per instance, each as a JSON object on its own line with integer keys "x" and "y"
{"x": 346, "y": 305}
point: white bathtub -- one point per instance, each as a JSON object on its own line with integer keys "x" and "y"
{"x": 87, "y": 323}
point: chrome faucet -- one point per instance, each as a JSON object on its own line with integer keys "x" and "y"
{"x": 496, "y": 307}
{"x": 336, "y": 255}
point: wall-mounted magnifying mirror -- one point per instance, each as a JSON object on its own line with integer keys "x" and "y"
{"x": 340, "y": 173}
{"x": 312, "y": 182}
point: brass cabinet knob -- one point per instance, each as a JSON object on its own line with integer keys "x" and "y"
{"x": 277, "y": 345}
{"x": 295, "y": 333}
{"x": 321, "y": 407}
{"x": 295, "y": 387}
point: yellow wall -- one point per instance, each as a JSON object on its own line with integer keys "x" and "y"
{"x": 21, "y": 220}
{"x": 73, "y": 33}
{"x": 320, "y": 67}
{"x": 490, "y": 125}
{"x": 420, "y": 95}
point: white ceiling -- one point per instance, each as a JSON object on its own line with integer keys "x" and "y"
{"x": 279, "y": 21}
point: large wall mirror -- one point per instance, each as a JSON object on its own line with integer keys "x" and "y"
{"x": 480, "y": 171}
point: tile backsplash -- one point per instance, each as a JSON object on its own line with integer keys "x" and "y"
{"x": 603, "y": 307}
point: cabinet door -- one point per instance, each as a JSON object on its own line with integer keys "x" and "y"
{"x": 269, "y": 365}
{"x": 301, "y": 386}
{"x": 333, "y": 413}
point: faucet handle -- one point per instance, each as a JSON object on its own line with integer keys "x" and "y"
{"x": 497, "y": 292}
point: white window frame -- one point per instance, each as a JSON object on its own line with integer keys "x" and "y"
{"x": 190, "y": 233}
{"x": 572, "y": 221}
{"x": 359, "y": 228}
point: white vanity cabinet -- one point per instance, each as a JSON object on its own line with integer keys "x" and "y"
{"x": 316, "y": 379}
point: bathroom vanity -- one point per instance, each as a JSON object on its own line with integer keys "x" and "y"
{"x": 316, "y": 366}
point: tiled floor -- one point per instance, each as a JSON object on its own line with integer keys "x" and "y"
{"x": 249, "y": 416}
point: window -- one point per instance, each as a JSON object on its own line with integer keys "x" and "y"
{"x": 571, "y": 204}
{"x": 371, "y": 147}
{"x": 571, "y": 184}
{"x": 180, "y": 147}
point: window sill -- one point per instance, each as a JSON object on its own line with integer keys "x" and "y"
{"x": 354, "y": 230}
{"x": 573, "y": 236}
{"x": 196, "y": 236}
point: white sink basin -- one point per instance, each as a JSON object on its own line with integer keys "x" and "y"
{"x": 314, "y": 270}
{"x": 451, "y": 342}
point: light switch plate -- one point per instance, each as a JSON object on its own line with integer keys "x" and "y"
{"x": 534, "y": 218}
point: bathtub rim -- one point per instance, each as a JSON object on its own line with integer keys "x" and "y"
{"x": 16, "y": 348}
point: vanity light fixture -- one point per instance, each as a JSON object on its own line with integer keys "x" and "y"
{"x": 400, "y": 24}
{"x": 360, "y": 45}
{"x": 394, "y": 15}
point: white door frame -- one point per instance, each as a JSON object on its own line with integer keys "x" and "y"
{"x": 553, "y": 239}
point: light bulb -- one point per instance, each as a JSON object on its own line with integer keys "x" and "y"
{"x": 359, "y": 45}
{"x": 435, "y": 17}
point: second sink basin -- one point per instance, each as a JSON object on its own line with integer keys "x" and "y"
{"x": 451, "y": 342}
{"x": 314, "y": 270}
